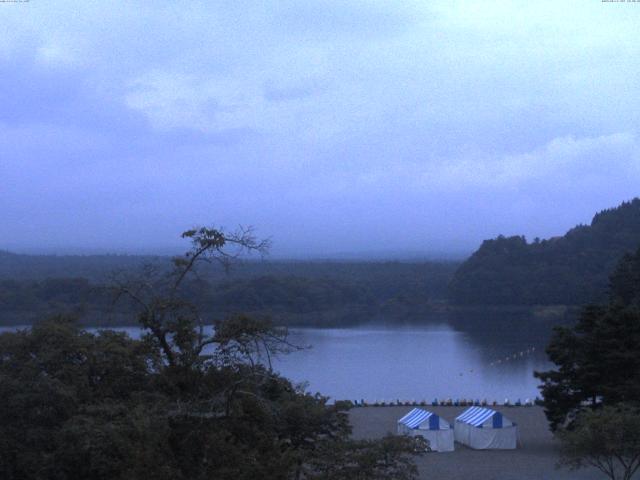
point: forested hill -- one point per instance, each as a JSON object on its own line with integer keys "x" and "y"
{"x": 570, "y": 270}
{"x": 321, "y": 293}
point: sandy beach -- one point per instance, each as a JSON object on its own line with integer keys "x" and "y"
{"x": 535, "y": 458}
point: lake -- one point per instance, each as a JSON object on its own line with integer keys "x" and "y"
{"x": 411, "y": 363}
{"x": 414, "y": 363}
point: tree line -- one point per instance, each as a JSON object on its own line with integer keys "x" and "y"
{"x": 568, "y": 270}
{"x": 182, "y": 402}
{"x": 592, "y": 396}
{"x": 315, "y": 296}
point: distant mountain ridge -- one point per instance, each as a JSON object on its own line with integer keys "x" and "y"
{"x": 570, "y": 270}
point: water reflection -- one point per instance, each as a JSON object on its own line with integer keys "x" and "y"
{"x": 413, "y": 363}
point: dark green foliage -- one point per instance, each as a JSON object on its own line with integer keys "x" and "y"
{"x": 625, "y": 280}
{"x": 312, "y": 293}
{"x": 70, "y": 401}
{"x": 49, "y": 294}
{"x": 598, "y": 360}
{"x": 287, "y": 293}
{"x": 99, "y": 406}
{"x": 569, "y": 270}
{"x": 607, "y": 439}
{"x": 179, "y": 404}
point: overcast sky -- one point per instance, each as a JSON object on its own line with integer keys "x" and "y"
{"x": 408, "y": 126}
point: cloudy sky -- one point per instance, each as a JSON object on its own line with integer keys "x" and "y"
{"x": 332, "y": 127}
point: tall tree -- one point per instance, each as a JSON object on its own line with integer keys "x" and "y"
{"x": 183, "y": 402}
{"x": 598, "y": 362}
{"x": 172, "y": 322}
{"x": 598, "y": 359}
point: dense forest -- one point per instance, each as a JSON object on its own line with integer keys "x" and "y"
{"x": 568, "y": 270}
{"x": 598, "y": 357}
{"x": 291, "y": 293}
{"x": 591, "y": 395}
{"x": 177, "y": 403}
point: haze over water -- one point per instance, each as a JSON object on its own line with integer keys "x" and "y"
{"x": 417, "y": 363}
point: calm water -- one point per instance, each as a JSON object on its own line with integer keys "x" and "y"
{"x": 412, "y": 364}
{"x": 417, "y": 363}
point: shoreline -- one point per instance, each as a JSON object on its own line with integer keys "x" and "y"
{"x": 348, "y": 316}
{"x": 534, "y": 459}
{"x": 457, "y": 403}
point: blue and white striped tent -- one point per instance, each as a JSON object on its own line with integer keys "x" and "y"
{"x": 483, "y": 428}
{"x": 477, "y": 416}
{"x": 429, "y": 425}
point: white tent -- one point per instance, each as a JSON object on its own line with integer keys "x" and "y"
{"x": 429, "y": 425}
{"x": 483, "y": 428}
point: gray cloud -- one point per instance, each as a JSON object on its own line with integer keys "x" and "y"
{"x": 330, "y": 126}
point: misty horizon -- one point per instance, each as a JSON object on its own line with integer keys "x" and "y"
{"x": 338, "y": 256}
{"x": 451, "y": 254}
{"x": 413, "y": 130}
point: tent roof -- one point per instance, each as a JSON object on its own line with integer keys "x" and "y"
{"x": 415, "y": 417}
{"x": 476, "y": 416}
